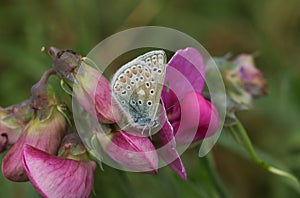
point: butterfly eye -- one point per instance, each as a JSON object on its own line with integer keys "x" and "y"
{"x": 132, "y": 82}
{"x": 149, "y": 103}
{"x": 154, "y": 69}
{"x": 142, "y": 78}
{"x": 147, "y": 84}
{"x": 140, "y": 102}
{"x": 133, "y": 67}
{"x": 128, "y": 87}
{"x": 159, "y": 71}
{"x": 127, "y": 71}
{"x": 152, "y": 92}
{"x": 139, "y": 66}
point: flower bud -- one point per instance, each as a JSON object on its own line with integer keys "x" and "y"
{"x": 12, "y": 121}
{"x": 252, "y": 79}
{"x": 91, "y": 89}
{"x": 94, "y": 95}
{"x": 244, "y": 81}
{"x": 45, "y": 135}
{"x": 57, "y": 176}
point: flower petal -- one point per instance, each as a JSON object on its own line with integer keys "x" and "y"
{"x": 133, "y": 152}
{"x": 58, "y": 177}
{"x": 199, "y": 119}
{"x": 44, "y": 135}
{"x": 185, "y": 73}
{"x": 168, "y": 151}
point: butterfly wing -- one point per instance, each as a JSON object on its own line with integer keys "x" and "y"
{"x": 137, "y": 87}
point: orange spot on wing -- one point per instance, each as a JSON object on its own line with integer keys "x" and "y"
{"x": 123, "y": 80}
{"x": 147, "y": 74}
{"x": 134, "y": 71}
{"x": 129, "y": 75}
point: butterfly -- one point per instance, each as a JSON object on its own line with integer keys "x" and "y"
{"x": 137, "y": 88}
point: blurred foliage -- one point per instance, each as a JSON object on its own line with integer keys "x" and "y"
{"x": 269, "y": 29}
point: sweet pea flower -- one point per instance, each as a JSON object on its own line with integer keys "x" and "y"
{"x": 180, "y": 100}
{"x": 186, "y": 108}
{"x": 190, "y": 114}
{"x": 44, "y": 131}
{"x": 44, "y": 135}
{"x": 12, "y": 121}
{"x": 69, "y": 175}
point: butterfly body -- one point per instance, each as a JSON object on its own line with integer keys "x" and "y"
{"x": 137, "y": 89}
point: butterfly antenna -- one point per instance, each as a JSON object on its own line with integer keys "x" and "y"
{"x": 178, "y": 102}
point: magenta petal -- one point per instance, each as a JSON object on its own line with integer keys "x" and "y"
{"x": 199, "y": 119}
{"x": 58, "y": 177}
{"x": 168, "y": 151}
{"x": 185, "y": 73}
{"x": 133, "y": 152}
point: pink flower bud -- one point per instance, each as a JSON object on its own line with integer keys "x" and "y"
{"x": 45, "y": 135}
{"x": 12, "y": 121}
{"x": 94, "y": 95}
{"x": 252, "y": 80}
{"x": 91, "y": 89}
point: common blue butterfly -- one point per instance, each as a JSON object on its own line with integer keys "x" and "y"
{"x": 137, "y": 88}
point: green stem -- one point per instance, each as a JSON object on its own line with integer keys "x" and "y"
{"x": 240, "y": 134}
{"x": 210, "y": 166}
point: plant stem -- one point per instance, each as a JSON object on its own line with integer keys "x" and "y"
{"x": 39, "y": 95}
{"x": 210, "y": 166}
{"x": 240, "y": 134}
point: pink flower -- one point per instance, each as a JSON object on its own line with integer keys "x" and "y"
{"x": 58, "y": 177}
{"x": 190, "y": 114}
{"x": 186, "y": 114}
{"x": 45, "y": 135}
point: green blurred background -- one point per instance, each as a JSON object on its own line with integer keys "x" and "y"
{"x": 270, "y": 29}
